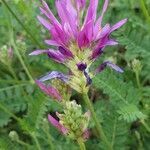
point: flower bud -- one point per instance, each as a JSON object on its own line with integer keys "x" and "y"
{"x": 14, "y": 136}
{"x": 74, "y": 120}
{"x": 136, "y": 65}
{"x": 21, "y": 46}
{"x": 6, "y": 55}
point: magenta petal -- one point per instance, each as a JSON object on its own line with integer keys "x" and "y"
{"x": 65, "y": 16}
{"x": 99, "y": 21}
{"x": 56, "y": 55}
{"x": 49, "y": 90}
{"x": 65, "y": 51}
{"x": 96, "y": 53}
{"x": 57, "y": 125}
{"x": 111, "y": 42}
{"x": 85, "y": 35}
{"x": 80, "y": 4}
{"x": 38, "y": 52}
{"x": 118, "y": 25}
{"x": 102, "y": 33}
{"x": 59, "y": 35}
{"x": 47, "y": 12}
{"x": 51, "y": 42}
{"x": 91, "y": 13}
{"x": 44, "y": 22}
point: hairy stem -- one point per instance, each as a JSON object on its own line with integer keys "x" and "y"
{"x": 81, "y": 144}
{"x": 97, "y": 123}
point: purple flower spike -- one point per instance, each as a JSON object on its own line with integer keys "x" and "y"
{"x": 82, "y": 66}
{"x": 49, "y": 90}
{"x": 53, "y": 75}
{"x": 108, "y": 63}
{"x": 70, "y": 33}
{"x": 57, "y": 125}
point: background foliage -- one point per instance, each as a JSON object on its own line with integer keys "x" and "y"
{"x": 121, "y": 101}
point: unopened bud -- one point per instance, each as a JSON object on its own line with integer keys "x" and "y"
{"x": 14, "y": 136}
{"x": 6, "y": 54}
{"x": 74, "y": 120}
{"x": 21, "y": 46}
{"x": 136, "y": 65}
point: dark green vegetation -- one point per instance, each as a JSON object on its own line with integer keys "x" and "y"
{"x": 121, "y": 100}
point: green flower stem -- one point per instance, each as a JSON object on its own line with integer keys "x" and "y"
{"x": 49, "y": 137}
{"x": 81, "y": 144}
{"x": 138, "y": 79}
{"x": 145, "y": 125}
{"x": 23, "y": 143}
{"x": 23, "y": 26}
{"x": 12, "y": 71}
{"x": 97, "y": 123}
{"x": 22, "y": 61}
{"x": 36, "y": 141}
{"x": 138, "y": 136}
{"x": 6, "y": 110}
{"x": 145, "y": 11}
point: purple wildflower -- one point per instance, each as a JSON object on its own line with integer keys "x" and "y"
{"x": 78, "y": 41}
{"x": 90, "y": 34}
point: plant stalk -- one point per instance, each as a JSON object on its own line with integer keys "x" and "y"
{"x": 97, "y": 123}
{"x": 81, "y": 144}
{"x": 144, "y": 10}
{"x": 137, "y": 79}
{"x": 145, "y": 125}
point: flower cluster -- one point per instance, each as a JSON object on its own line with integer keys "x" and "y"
{"x": 78, "y": 43}
{"x": 79, "y": 39}
{"x": 72, "y": 123}
{"x": 6, "y": 54}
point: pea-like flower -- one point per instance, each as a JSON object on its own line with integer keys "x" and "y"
{"x": 59, "y": 89}
{"x": 78, "y": 39}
